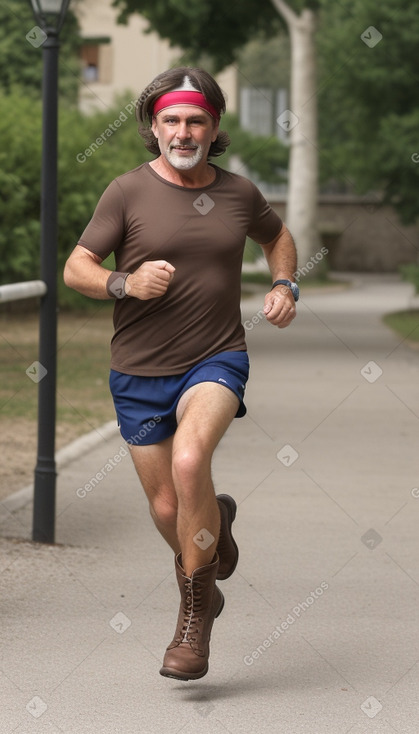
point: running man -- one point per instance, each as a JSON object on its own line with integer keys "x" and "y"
{"x": 179, "y": 364}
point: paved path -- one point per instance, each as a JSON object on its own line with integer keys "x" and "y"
{"x": 320, "y": 629}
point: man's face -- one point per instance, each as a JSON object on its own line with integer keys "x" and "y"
{"x": 184, "y": 134}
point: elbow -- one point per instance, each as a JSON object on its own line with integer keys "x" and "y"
{"x": 69, "y": 276}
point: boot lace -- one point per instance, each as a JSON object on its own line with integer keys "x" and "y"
{"x": 191, "y": 612}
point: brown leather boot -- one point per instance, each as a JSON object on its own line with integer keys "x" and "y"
{"x": 200, "y": 602}
{"x": 226, "y": 548}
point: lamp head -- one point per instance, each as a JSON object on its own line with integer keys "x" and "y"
{"x": 50, "y": 14}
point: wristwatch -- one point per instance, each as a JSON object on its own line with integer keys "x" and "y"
{"x": 292, "y": 286}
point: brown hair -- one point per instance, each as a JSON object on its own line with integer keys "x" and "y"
{"x": 166, "y": 82}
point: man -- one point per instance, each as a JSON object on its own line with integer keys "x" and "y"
{"x": 178, "y": 226}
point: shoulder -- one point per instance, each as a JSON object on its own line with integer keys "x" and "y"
{"x": 237, "y": 182}
{"x": 126, "y": 187}
{"x": 132, "y": 177}
{"x": 233, "y": 179}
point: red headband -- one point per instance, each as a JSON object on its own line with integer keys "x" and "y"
{"x": 184, "y": 96}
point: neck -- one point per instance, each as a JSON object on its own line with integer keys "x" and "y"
{"x": 201, "y": 175}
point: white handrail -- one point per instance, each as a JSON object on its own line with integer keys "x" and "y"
{"x": 20, "y": 291}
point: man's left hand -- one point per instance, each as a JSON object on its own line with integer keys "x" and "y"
{"x": 280, "y": 306}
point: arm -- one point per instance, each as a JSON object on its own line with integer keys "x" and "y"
{"x": 281, "y": 256}
{"x": 83, "y": 272}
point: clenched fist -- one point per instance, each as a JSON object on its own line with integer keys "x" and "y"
{"x": 280, "y": 306}
{"x": 150, "y": 280}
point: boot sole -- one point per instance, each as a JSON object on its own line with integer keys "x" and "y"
{"x": 231, "y": 506}
{"x": 177, "y": 674}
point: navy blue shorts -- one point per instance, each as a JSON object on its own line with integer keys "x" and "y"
{"x": 146, "y": 406}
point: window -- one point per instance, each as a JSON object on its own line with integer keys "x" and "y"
{"x": 260, "y": 108}
{"x": 95, "y": 59}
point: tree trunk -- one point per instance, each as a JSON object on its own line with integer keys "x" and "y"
{"x": 302, "y": 216}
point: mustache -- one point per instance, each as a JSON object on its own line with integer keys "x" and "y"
{"x": 192, "y": 146}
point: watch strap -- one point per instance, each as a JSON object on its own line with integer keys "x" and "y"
{"x": 293, "y": 287}
{"x": 283, "y": 281}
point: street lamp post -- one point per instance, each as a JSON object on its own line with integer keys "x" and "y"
{"x": 49, "y": 16}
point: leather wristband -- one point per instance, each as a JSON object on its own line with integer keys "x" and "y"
{"x": 115, "y": 285}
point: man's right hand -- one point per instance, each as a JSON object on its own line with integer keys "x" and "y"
{"x": 150, "y": 280}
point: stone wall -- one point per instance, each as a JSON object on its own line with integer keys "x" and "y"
{"x": 361, "y": 235}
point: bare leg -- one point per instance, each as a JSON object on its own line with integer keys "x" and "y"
{"x": 154, "y": 468}
{"x": 204, "y": 414}
{"x": 176, "y": 474}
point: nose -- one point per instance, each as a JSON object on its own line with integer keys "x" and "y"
{"x": 183, "y": 130}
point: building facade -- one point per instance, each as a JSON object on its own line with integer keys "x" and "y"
{"x": 118, "y": 59}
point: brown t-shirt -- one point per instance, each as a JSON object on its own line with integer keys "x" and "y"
{"x": 202, "y": 233}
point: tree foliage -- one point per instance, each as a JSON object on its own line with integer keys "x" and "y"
{"x": 21, "y": 62}
{"x": 369, "y": 98}
{"x": 84, "y": 170}
{"x": 211, "y": 27}
{"x": 265, "y": 157}
{"x": 265, "y": 62}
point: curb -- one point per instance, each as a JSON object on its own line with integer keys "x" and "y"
{"x": 64, "y": 456}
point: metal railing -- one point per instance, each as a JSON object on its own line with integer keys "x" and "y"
{"x": 21, "y": 291}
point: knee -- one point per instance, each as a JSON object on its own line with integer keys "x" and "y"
{"x": 163, "y": 510}
{"x": 188, "y": 465}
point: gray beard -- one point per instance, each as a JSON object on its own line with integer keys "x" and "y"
{"x": 181, "y": 163}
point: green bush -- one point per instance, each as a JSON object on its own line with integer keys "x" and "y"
{"x": 411, "y": 274}
{"x": 264, "y": 156}
{"x": 81, "y": 179}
